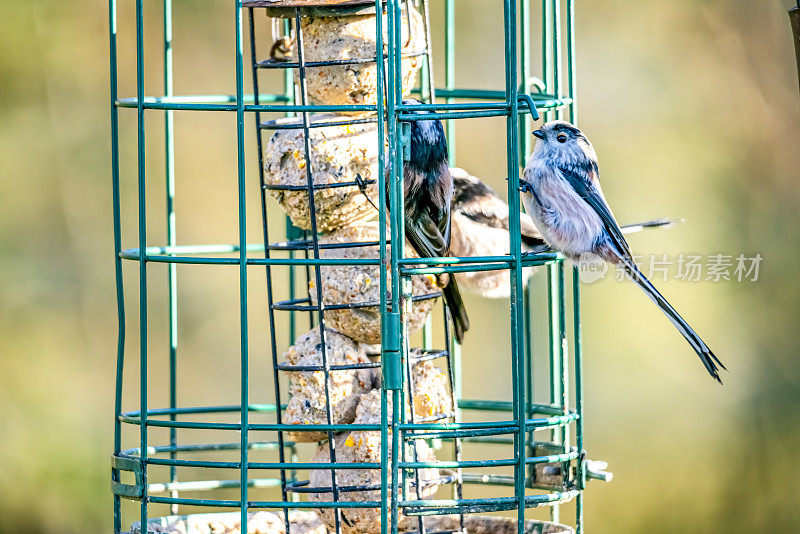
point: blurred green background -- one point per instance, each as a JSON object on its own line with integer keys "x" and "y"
{"x": 694, "y": 111}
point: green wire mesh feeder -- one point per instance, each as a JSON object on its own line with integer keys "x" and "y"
{"x": 397, "y": 464}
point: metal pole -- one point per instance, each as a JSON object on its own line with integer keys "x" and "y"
{"x": 172, "y": 282}
{"x": 517, "y": 298}
{"x": 450, "y": 69}
{"x": 120, "y": 293}
{"x": 243, "y": 317}
{"x": 142, "y": 203}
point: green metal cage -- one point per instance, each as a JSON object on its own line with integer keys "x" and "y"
{"x": 547, "y": 463}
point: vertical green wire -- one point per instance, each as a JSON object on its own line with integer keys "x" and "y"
{"x": 571, "y": 81}
{"x": 172, "y": 285}
{"x": 556, "y": 13}
{"x": 525, "y": 71}
{"x": 427, "y": 333}
{"x": 554, "y": 300}
{"x": 394, "y": 92}
{"x": 396, "y": 85}
{"x": 288, "y": 85}
{"x": 450, "y": 84}
{"x": 380, "y": 89}
{"x": 450, "y": 70}
{"x": 546, "y": 77}
{"x": 525, "y": 148}
{"x": 244, "y": 361}
{"x": 554, "y": 321}
{"x": 428, "y": 89}
{"x": 288, "y": 92}
{"x": 563, "y": 353}
{"x": 120, "y": 293}
{"x": 576, "y": 298}
{"x": 529, "y": 367}
{"x": 579, "y": 426}
{"x": 559, "y": 338}
{"x": 427, "y": 79}
{"x": 142, "y": 203}
{"x": 517, "y": 301}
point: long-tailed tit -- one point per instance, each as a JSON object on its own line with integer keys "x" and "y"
{"x": 480, "y": 228}
{"x": 561, "y": 192}
{"x": 427, "y": 192}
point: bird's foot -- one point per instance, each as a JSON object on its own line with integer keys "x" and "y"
{"x": 525, "y": 187}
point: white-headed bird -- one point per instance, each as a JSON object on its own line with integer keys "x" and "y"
{"x": 562, "y": 194}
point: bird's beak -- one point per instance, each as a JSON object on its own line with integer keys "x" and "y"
{"x": 539, "y": 134}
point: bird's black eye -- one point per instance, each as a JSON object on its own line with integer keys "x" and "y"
{"x": 562, "y": 138}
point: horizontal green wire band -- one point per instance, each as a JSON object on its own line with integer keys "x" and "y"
{"x": 447, "y": 503}
{"x": 265, "y": 504}
{"x": 195, "y": 260}
{"x": 466, "y": 404}
{"x": 203, "y": 447}
{"x": 443, "y": 506}
{"x": 231, "y": 408}
{"x": 465, "y": 434}
{"x": 168, "y": 255}
{"x": 530, "y": 424}
{"x": 228, "y": 103}
{"x": 527, "y": 261}
{"x": 477, "y": 114}
{"x": 496, "y": 504}
{"x": 495, "y": 462}
{"x": 207, "y": 485}
{"x": 555, "y": 411}
{"x": 553, "y": 458}
{"x": 211, "y": 464}
{"x": 250, "y": 427}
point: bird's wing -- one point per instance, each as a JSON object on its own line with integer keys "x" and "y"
{"x": 444, "y": 231}
{"x": 487, "y": 210}
{"x": 588, "y": 188}
{"x": 476, "y": 201}
{"x": 427, "y": 238}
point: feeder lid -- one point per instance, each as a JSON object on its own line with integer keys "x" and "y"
{"x": 313, "y": 8}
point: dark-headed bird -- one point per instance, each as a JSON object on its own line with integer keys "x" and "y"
{"x": 427, "y": 193}
{"x": 562, "y": 194}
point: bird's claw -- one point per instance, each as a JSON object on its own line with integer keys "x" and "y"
{"x": 525, "y": 187}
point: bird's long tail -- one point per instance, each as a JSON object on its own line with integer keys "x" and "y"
{"x": 452, "y": 297}
{"x": 648, "y": 225}
{"x": 708, "y": 358}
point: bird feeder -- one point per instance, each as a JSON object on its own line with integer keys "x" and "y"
{"x": 399, "y": 444}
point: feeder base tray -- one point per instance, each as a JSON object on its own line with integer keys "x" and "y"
{"x": 309, "y": 523}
